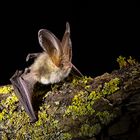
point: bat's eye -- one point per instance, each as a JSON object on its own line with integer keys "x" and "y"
{"x": 27, "y": 70}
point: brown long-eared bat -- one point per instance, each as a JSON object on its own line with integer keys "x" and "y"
{"x": 50, "y": 66}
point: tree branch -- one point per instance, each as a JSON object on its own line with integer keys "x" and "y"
{"x": 77, "y": 108}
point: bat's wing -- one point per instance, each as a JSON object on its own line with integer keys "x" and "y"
{"x": 24, "y": 93}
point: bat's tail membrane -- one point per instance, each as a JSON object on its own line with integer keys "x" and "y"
{"x": 24, "y": 95}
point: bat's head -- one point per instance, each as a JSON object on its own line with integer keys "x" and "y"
{"x": 59, "y": 52}
{"x": 56, "y": 64}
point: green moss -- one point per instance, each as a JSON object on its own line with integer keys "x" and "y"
{"x": 5, "y": 89}
{"x": 111, "y": 86}
{"x": 4, "y": 136}
{"x": 14, "y": 121}
{"x": 124, "y": 62}
{"x": 10, "y": 100}
{"x": 86, "y": 79}
{"x": 131, "y": 61}
{"x": 45, "y": 128}
{"x": 8, "y": 105}
{"x": 82, "y": 103}
{"x": 42, "y": 118}
{"x": 80, "y": 106}
{"x": 81, "y": 81}
{"x": 66, "y": 136}
{"x": 4, "y": 115}
{"x": 75, "y": 82}
{"x": 105, "y": 117}
{"x": 89, "y": 131}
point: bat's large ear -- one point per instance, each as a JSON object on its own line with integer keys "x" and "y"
{"x": 51, "y": 45}
{"x": 67, "y": 47}
{"x": 66, "y": 43}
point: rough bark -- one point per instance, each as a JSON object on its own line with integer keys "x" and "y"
{"x": 106, "y": 107}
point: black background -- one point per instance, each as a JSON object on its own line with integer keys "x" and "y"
{"x": 100, "y": 32}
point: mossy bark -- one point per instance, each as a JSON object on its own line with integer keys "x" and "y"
{"x": 77, "y": 108}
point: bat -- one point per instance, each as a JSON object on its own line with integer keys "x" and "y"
{"x": 50, "y": 66}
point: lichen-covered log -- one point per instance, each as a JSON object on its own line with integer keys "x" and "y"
{"x": 77, "y": 108}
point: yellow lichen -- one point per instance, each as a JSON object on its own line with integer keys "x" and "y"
{"x": 124, "y": 62}
{"x": 66, "y": 136}
{"x": 6, "y": 89}
{"x": 49, "y": 125}
{"x": 131, "y": 61}
{"x": 105, "y": 117}
{"x": 4, "y": 115}
{"x": 4, "y": 136}
{"x": 8, "y": 106}
{"x": 82, "y": 103}
{"x": 10, "y": 100}
{"x": 81, "y": 81}
{"x": 111, "y": 86}
{"x": 80, "y": 106}
{"x": 89, "y": 131}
